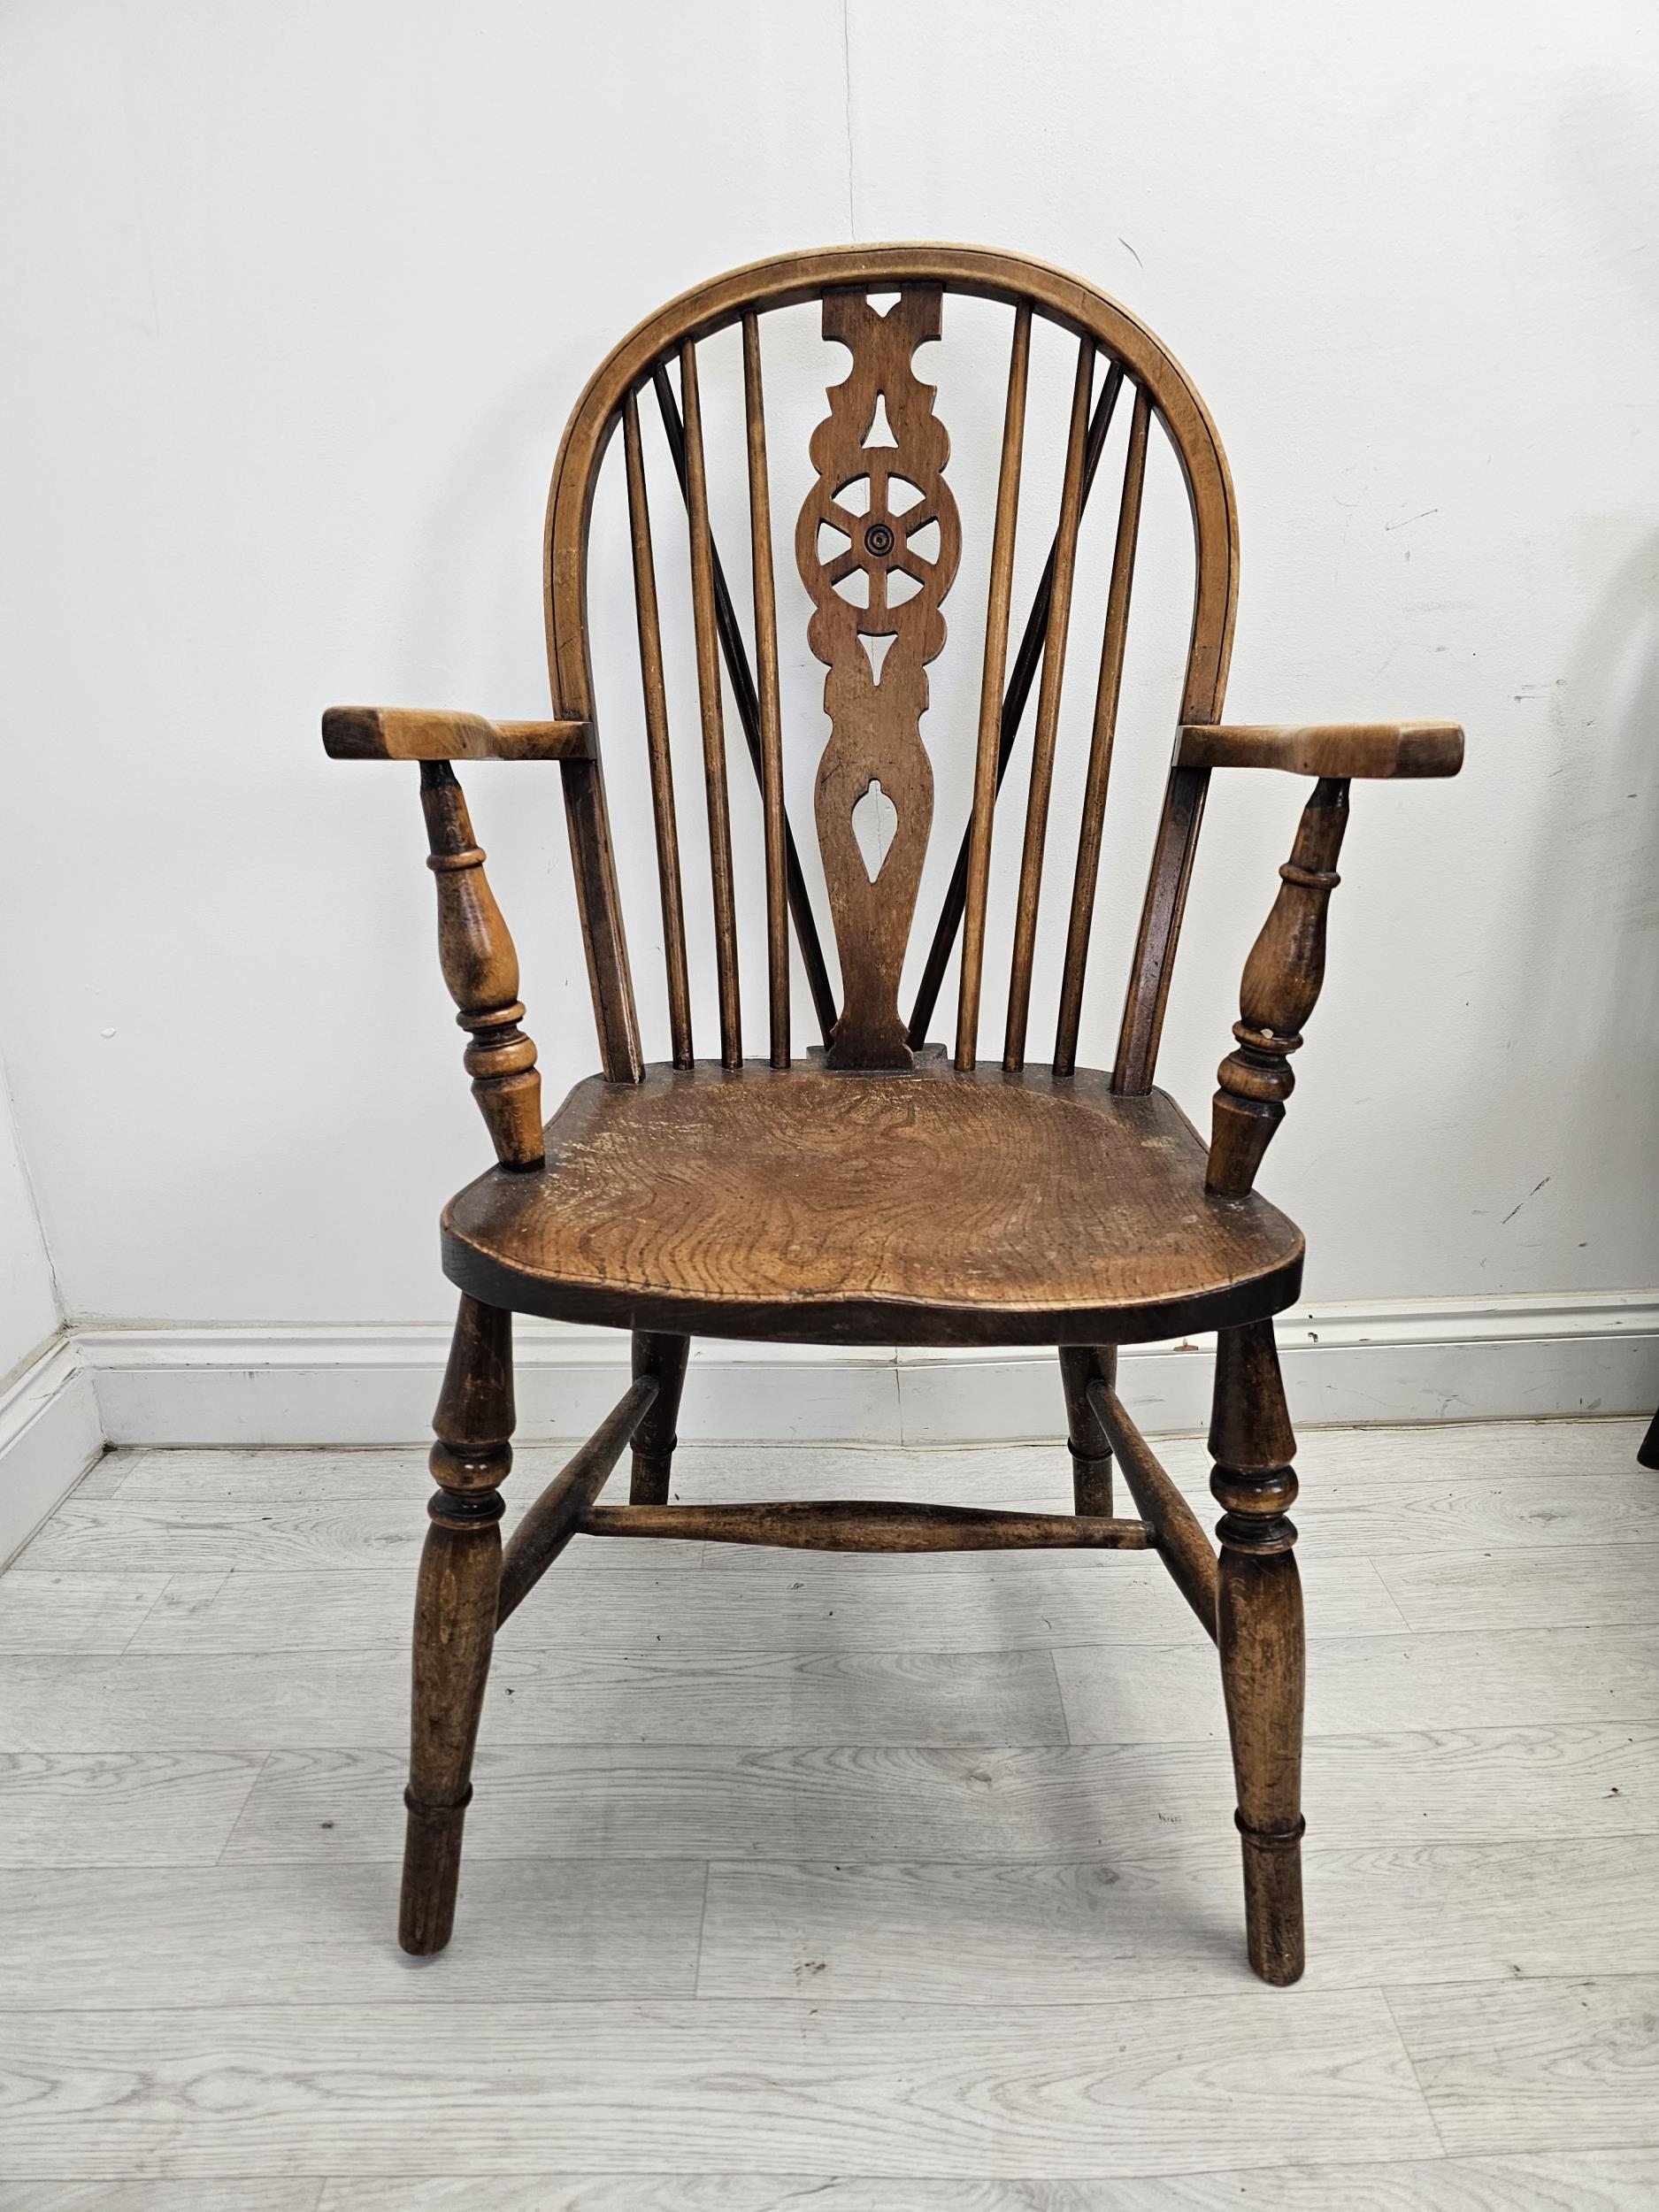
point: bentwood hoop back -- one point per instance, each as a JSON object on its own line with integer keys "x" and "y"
{"x": 878, "y": 1188}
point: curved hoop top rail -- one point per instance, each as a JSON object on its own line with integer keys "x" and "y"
{"x": 1131, "y": 351}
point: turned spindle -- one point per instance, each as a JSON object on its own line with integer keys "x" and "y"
{"x": 1259, "y": 1632}
{"x": 481, "y": 969}
{"x": 1282, "y": 979}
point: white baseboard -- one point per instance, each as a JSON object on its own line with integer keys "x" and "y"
{"x": 50, "y": 1435}
{"x": 1454, "y": 1359}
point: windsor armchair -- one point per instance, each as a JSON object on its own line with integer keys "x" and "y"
{"x": 875, "y": 1189}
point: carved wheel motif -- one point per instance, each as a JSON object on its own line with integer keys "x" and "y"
{"x": 877, "y": 543}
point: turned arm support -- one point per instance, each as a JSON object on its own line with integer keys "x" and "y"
{"x": 1343, "y": 749}
{"x": 475, "y": 950}
{"x": 422, "y": 734}
{"x": 480, "y": 967}
{"x": 1286, "y": 969}
{"x": 1282, "y": 978}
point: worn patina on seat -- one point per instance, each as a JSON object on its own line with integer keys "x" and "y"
{"x": 875, "y": 1187}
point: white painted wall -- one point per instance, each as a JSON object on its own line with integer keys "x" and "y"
{"x": 300, "y": 295}
{"x": 28, "y": 1301}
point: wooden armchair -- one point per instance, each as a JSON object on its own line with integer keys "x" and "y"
{"x": 876, "y": 1190}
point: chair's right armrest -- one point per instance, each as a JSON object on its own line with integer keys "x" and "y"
{"x": 435, "y": 733}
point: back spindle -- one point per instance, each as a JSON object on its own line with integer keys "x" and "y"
{"x": 771, "y": 720}
{"x": 647, "y": 616}
{"x": 1044, "y": 737}
{"x": 1100, "y": 756}
{"x": 480, "y": 968}
{"x": 991, "y": 693}
{"x": 1014, "y": 703}
{"x": 709, "y": 698}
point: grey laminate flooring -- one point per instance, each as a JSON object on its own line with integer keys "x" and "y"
{"x": 867, "y": 1883}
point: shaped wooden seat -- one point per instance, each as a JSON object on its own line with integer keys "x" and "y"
{"x": 922, "y": 1209}
{"x": 867, "y": 1188}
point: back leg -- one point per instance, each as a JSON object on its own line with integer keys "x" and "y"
{"x": 455, "y": 1615}
{"x": 1081, "y": 1364}
{"x": 654, "y": 1440}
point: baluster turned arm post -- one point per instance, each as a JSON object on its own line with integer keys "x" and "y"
{"x": 1285, "y": 971}
{"x": 1282, "y": 981}
{"x": 480, "y": 967}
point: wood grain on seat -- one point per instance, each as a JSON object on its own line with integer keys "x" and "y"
{"x": 930, "y": 1208}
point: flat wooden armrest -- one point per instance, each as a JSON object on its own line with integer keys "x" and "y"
{"x": 420, "y": 734}
{"x": 1326, "y": 748}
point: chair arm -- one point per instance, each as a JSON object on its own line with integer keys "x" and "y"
{"x": 420, "y": 734}
{"x": 1333, "y": 749}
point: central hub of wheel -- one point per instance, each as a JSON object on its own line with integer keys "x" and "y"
{"x": 879, "y": 539}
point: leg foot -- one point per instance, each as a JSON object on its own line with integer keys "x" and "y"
{"x": 654, "y": 1440}
{"x": 455, "y": 1616}
{"x": 1081, "y": 1364}
{"x": 1260, "y": 1635}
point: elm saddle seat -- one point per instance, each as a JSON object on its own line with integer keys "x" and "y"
{"x": 932, "y": 1208}
{"x": 857, "y": 1184}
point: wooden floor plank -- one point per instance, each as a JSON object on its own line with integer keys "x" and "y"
{"x": 121, "y": 1808}
{"x": 1388, "y": 1684}
{"x": 1537, "y": 2065}
{"x": 1040, "y": 1802}
{"x": 311, "y": 1537}
{"x": 529, "y": 1930}
{"x": 1597, "y": 2181}
{"x": 1006, "y": 1601}
{"x": 263, "y": 1701}
{"x": 1601, "y": 1586}
{"x": 1052, "y": 2090}
{"x": 161, "y": 2196}
{"x": 75, "y": 1612}
{"x": 1163, "y": 1919}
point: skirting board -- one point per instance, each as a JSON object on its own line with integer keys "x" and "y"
{"x": 1457, "y": 1359}
{"x": 50, "y": 1435}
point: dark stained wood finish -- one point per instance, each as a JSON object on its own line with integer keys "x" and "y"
{"x": 1282, "y": 981}
{"x": 662, "y": 1358}
{"x": 455, "y": 1616}
{"x": 867, "y": 1525}
{"x": 767, "y": 702}
{"x": 713, "y": 715}
{"x": 746, "y": 700}
{"x": 550, "y": 1523}
{"x": 1180, "y": 1542}
{"x": 1048, "y": 729}
{"x": 1085, "y": 880}
{"x": 984, "y": 779}
{"x": 1340, "y": 749}
{"x": 875, "y": 737}
{"x": 1081, "y": 1364}
{"x": 1259, "y": 1618}
{"x": 878, "y": 1194}
{"x": 1026, "y": 660}
{"x": 415, "y": 733}
{"x": 481, "y": 969}
{"x": 655, "y": 700}
{"x": 986, "y": 1210}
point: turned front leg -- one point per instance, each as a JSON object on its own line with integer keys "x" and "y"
{"x": 455, "y": 1615}
{"x": 1282, "y": 981}
{"x": 663, "y": 1358}
{"x": 1080, "y": 1364}
{"x": 1259, "y": 1632}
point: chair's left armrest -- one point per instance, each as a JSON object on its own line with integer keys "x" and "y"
{"x": 437, "y": 734}
{"x": 1326, "y": 748}
{"x": 1285, "y": 970}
